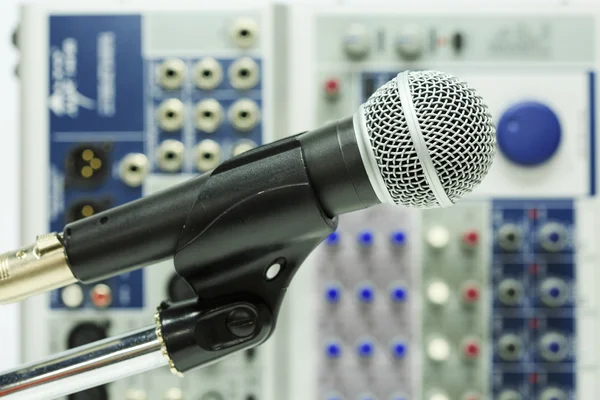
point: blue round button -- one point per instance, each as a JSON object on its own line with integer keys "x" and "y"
{"x": 398, "y": 238}
{"x": 333, "y": 294}
{"x": 366, "y": 294}
{"x": 365, "y": 238}
{"x": 333, "y": 350}
{"x": 398, "y": 294}
{"x": 333, "y": 239}
{"x": 529, "y": 133}
{"x": 399, "y": 349}
{"x": 366, "y": 349}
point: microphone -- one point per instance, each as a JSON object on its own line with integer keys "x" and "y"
{"x": 424, "y": 140}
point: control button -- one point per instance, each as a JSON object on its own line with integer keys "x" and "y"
{"x": 438, "y": 293}
{"x": 72, "y": 296}
{"x": 179, "y": 290}
{"x": 554, "y": 292}
{"x": 173, "y": 394}
{"x": 471, "y": 349}
{"x": 470, "y": 293}
{"x": 553, "y": 237}
{"x": 85, "y": 333}
{"x": 365, "y": 238}
{"x": 553, "y": 347}
{"x": 509, "y": 237}
{"x": 333, "y": 239}
{"x": 398, "y": 238}
{"x": 135, "y": 394}
{"x": 509, "y": 395}
{"x": 366, "y": 294}
{"x": 398, "y": 294}
{"x": 438, "y": 237}
{"x": 365, "y": 349}
{"x": 438, "y": 349}
{"x": 510, "y": 292}
{"x": 399, "y": 349}
{"x": 356, "y": 41}
{"x": 553, "y": 394}
{"x": 333, "y": 350}
{"x": 101, "y": 295}
{"x": 333, "y": 293}
{"x": 332, "y": 88}
{"x": 529, "y": 133}
{"x": 438, "y": 396}
{"x": 510, "y": 347}
{"x": 410, "y": 42}
{"x": 470, "y": 239}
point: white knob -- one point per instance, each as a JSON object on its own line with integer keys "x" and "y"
{"x": 356, "y": 41}
{"x": 438, "y": 237}
{"x": 438, "y": 293}
{"x": 438, "y": 349}
{"x": 72, "y": 296}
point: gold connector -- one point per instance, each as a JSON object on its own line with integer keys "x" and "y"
{"x": 38, "y": 268}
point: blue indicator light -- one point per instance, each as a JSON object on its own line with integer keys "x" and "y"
{"x": 365, "y": 238}
{"x": 554, "y": 292}
{"x": 333, "y": 294}
{"x": 366, "y": 349}
{"x": 554, "y": 237}
{"x": 333, "y": 350}
{"x": 366, "y": 294}
{"x": 333, "y": 239}
{"x": 398, "y": 238}
{"x": 554, "y": 347}
{"x": 399, "y": 349}
{"x": 398, "y": 294}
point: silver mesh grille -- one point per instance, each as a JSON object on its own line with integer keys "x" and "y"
{"x": 457, "y": 128}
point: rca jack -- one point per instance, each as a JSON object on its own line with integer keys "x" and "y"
{"x": 209, "y": 115}
{"x": 169, "y": 155}
{"x": 244, "y": 73}
{"x": 208, "y": 155}
{"x": 208, "y": 74}
{"x": 133, "y": 169}
{"x": 244, "y": 32}
{"x": 171, "y": 74}
{"x": 170, "y": 115}
{"x": 244, "y": 115}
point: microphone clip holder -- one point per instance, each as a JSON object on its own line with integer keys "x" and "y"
{"x": 241, "y": 282}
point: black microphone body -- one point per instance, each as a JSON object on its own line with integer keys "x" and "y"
{"x": 158, "y": 226}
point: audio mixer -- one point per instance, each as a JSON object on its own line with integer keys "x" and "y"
{"x": 495, "y": 297}
{"x": 120, "y": 101}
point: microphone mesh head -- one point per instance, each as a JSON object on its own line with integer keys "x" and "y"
{"x": 456, "y": 126}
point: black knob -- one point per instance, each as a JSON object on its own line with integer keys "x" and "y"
{"x": 85, "y": 333}
{"x": 179, "y": 290}
{"x": 96, "y": 393}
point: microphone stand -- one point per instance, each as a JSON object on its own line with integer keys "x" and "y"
{"x": 239, "y": 261}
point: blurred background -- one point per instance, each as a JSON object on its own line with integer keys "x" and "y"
{"x": 107, "y": 101}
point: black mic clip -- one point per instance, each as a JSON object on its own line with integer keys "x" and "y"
{"x": 241, "y": 281}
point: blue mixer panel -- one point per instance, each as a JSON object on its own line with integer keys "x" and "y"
{"x": 105, "y": 102}
{"x": 533, "y": 317}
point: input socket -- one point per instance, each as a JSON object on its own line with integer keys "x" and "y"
{"x": 509, "y": 237}
{"x": 86, "y": 208}
{"x": 208, "y": 74}
{"x": 209, "y": 115}
{"x": 244, "y": 115}
{"x": 244, "y": 73}
{"x": 243, "y": 146}
{"x": 171, "y": 74}
{"x": 554, "y": 292}
{"x": 87, "y": 165}
{"x": 244, "y": 32}
{"x": 169, "y": 155}
{"x": 510, "y": 347}
{"x": 133, "y": 169}
{"x": 208, "y": 155}
{"x": 553, "y": 347}
{"x": 170, "y": 115}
